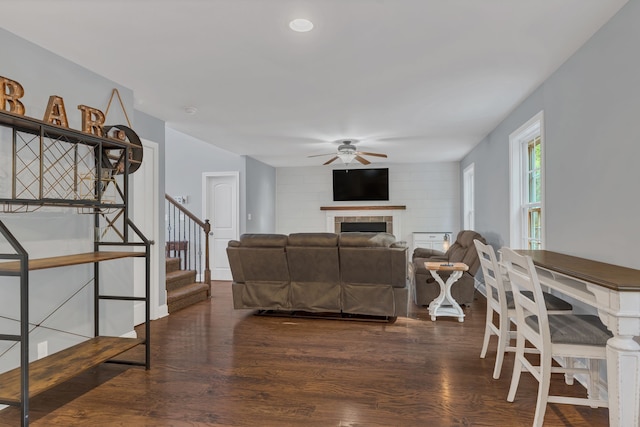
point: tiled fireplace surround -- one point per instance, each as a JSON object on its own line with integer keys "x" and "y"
{"x": 391, "y": 215}
{"x": 365, "y": 218}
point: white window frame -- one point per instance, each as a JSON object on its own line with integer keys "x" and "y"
{"x": 518, "y": 141}
{"x": 468, "y": 202}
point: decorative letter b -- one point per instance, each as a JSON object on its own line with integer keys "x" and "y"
{"x": 11, "y": 91}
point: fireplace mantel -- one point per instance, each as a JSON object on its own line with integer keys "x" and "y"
{"x": 362, "y": 208}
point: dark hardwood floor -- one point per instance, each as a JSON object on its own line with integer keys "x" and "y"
{"x": 215, "y": 366}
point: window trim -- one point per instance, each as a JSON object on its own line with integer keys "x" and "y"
{"x": 517, "y": 168}
{"x": 468, "y": 190}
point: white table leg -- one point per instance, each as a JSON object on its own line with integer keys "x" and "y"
{"x": 623, "y": 377}
{"x": 452, "y": 308}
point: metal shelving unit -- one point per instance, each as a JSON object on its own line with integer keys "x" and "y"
{"x": 54, "y": 166}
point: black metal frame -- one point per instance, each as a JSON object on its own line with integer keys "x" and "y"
{"x": 96, "y": 205}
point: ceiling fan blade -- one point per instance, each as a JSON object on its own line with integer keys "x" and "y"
{"x": 372, "y": 154}
{"x": 362, "y": 160}
{"x": 329, "y": 161}
{"x": 327, "y": 154}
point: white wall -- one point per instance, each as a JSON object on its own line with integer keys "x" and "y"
{"x": 430, "y": 191}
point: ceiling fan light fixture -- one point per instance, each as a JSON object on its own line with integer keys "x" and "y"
{"x": 347, "y": 152}
{"x": 347, "y": 157}
{"x": 301, "y": 25}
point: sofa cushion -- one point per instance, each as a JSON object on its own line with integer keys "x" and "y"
{"x": 263, "y": 240}
{"x": 315, "y": 272}
{"x": 313, "y": 239}
{"x": 264, "y": 265}
{"x": 313, "y": 264}
{"x": 366, "y": 239}
{"x": 373, "y": 265}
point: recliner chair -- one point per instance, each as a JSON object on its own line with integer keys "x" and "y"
{"x": 426, "y": 289}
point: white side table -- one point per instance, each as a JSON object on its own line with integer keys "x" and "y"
{"x": 445, "y": 304}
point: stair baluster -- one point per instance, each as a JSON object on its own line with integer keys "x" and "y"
{"x": 187, "y": 238}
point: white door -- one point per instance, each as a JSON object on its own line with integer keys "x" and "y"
{"x": 145, "y": 217}
{"x": 221, "y": 208}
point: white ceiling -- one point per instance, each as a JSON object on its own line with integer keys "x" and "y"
{"x": 420, "y": 80}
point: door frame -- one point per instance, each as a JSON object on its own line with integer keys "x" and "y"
{"x": 156, "y": 310}
{"x": 206, "y": 177}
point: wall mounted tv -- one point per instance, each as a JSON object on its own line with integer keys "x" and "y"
{"x": 360, "y": 184}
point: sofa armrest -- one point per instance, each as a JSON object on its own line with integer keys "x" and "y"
{"x": 428, "y": 253}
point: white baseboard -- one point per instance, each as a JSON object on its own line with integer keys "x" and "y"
{"x": 130, "y": 334}
{"x": 162, "y": 311}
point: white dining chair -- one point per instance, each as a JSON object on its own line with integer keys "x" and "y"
{"x": 571, "y": 335}
{"x": 500, "y": 302}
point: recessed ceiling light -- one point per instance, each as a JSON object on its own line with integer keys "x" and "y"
{"x": 190, "y": 110}
{"x": 301, "y": 25}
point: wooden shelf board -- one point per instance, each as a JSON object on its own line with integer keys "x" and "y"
{"x": 67, "y": 260}
{"x": 59, "y": 367}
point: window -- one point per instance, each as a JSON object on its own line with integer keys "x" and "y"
{"x": 527, "y": 189}
{"x": 468, "y": 201}
{"x": 532, "y": 206}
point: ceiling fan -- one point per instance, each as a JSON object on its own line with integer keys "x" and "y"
{"x": 347, "y": 152}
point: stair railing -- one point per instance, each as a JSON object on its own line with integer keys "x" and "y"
{"x": 184, "y": 235}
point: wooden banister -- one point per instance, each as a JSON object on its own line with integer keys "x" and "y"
{"x": 206, "y": 229}
{"x": 185, "y": 211}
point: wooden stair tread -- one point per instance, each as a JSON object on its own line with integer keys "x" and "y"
{"x": 64, "y": 365}
{"x": 185, "y": 291}
{"x": 67, "y": 260}
{"x": 180, "y": 273}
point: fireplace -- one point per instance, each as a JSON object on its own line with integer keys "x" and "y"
{"x": 389, "y": 216}
{"x": 363, "y": 223}
{"x": 363, "y": 226}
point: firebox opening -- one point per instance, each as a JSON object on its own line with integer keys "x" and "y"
{"x": 363, "y": 226}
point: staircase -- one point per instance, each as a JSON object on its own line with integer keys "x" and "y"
{"x": 187, "y": 254}
{"x": 182, "y": 288}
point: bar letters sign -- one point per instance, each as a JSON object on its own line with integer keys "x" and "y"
{"x": 92, "y": 119}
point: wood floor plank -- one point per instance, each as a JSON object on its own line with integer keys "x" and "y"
{"x": 215, "y": 366}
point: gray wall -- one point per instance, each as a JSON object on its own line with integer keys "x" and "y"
{"x": 187, "y": 158}
{"x": 592, "y": 145}
{"x": 261, "y": 197}
{"x": 58, "y": 231}
{"x": 149, "y": 127}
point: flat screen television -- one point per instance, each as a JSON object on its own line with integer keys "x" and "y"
{"x": 360, "y": 184}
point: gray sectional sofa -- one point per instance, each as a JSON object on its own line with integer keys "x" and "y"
{"x": 350, "y": 273}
